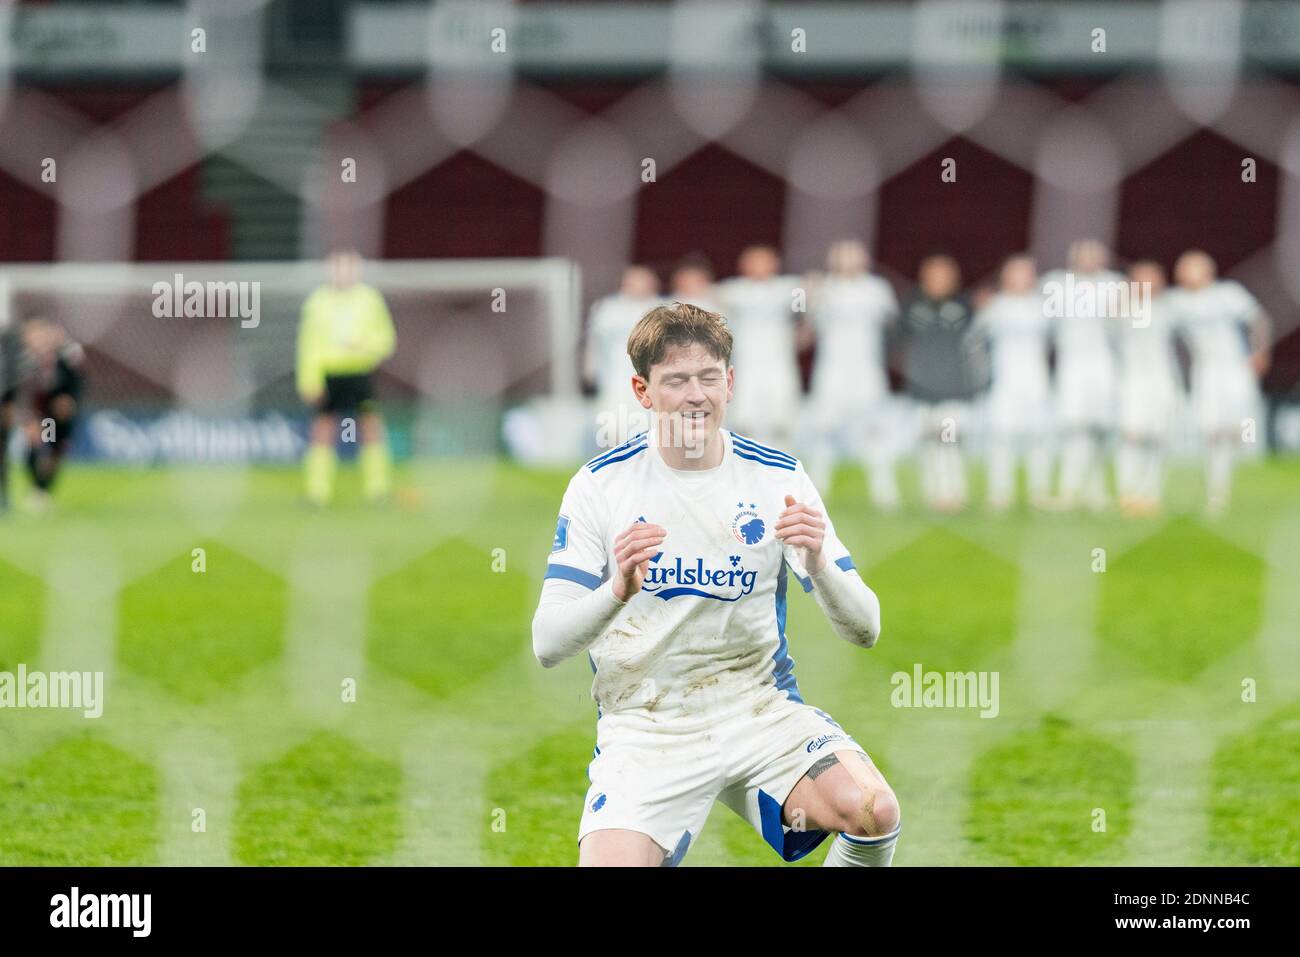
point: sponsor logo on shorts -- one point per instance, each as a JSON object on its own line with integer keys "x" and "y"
{"x": 597, "y": 804}
{"x": 816, "y": 744}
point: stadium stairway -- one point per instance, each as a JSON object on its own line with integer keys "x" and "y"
{"x": 257, "y": 176}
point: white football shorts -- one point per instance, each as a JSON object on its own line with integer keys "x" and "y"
{"x": 662, "y": 780}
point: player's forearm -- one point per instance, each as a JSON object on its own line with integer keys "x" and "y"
{"x": 849, "y": 604}
{"x": 568, "y": 621}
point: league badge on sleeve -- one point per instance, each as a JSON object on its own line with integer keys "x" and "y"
{"x": 561, "y": 535}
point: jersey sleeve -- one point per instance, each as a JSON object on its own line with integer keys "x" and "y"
{"x": 380, "y": 337}
{"x": 310, "y": 374}
{"x": 834, "y": 550}
{"x": 578, "y": 549}
{"x": 889, "y": 301}
{"x": 1242, "y": 306}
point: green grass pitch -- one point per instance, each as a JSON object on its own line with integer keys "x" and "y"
{"x": 356, "y": 686}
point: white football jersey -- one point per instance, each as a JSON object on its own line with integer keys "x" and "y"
{"x": 1146, "y": 346}
{"x": 760, "y": 314}
{"x": 1085, "y": 307}
{"x": 1213, "y": 321}
{"x": 1017, "y": 328}
{"x": 850, "y": 315}
{"x": 706, "y": 633}
{"x": 612, "y": 319}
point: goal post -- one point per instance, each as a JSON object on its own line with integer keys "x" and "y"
{"x": 218, "y": 339}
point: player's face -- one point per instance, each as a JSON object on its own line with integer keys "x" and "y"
{"x": 1194, "y": 270}
{"x": 40, "y": 337}
{"x": 939, "y": 278}
{"x": 760, "y": 263}
{"x": 640, "y": 284}
{"x": 848, "y": 259}
{"x": 345, "y": 269}
{"x": 1089, "y": 257}
{"x": 1019, "y": 276}
{"x": 689, "y": 391}
{"x": 1149, "y": 273}
{"x": 691, "y": 282}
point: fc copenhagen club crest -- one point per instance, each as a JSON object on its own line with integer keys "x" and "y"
{"x": 748, "y": 528}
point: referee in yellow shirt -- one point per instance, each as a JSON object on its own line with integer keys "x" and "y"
{"x": 346, "y": 331}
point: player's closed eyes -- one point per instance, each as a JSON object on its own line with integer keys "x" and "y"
{"x": 677, "y": 382}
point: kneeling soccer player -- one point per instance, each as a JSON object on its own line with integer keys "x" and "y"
{"x": 669, "y": 567}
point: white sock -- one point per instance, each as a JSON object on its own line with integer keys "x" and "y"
{"x": 849, "y": 851}
{"x": 1218, "y": 473}
{"x": 1155, "y": 476}
{"x": 883, "y": 485}
{"x": 1074, "y": 466}
{"x": 1095, "y": 485}
{"x": 1002, "y": 474}
{"x": 929, "y": 472}
{"x": 1128, "y": 466}
{"x": 1039, "y": 468}
{"x": 956, "y": 474}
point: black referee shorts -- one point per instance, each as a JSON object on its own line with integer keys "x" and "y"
{"x": 349, "y": 394}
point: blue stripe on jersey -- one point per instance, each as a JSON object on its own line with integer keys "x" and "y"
{"x": 570, "y": 574}
{"x": 782, "y": 663}
{"x": 846, "y": 563}
{"x": 639, "y": 437}
{"x": 617, "y": 458}
{"x": 755, "y": 458}
{"x": 791, "y": 845}
{"x": 752, "y": 446}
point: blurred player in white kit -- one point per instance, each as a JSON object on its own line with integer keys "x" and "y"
{"x": 1148, "y": 394}
{"x": 669, "y": 568}
{"x": 692, "y": 282}
{"x": 1227, "y": 333}
{"x": 1078, "y": 299}
{"x": 851, "y": 309}
{"x": 759, "y": 304}
{"x": 1020, "y": 398}
{"x": 605, "y": 358}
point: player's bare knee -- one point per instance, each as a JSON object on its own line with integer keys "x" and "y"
{"x": 868, "y": 812}
{"x": 885, "y": 813}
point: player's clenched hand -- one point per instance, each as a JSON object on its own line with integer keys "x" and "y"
{"x": 633, "y": 550}
{"x": 803, "y": 527}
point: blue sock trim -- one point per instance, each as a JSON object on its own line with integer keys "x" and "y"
{"x": 869, "y": 841}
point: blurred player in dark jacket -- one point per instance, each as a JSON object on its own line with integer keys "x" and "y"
{"x": 10, "y": 363}
{"x": 53, "y": 381}
{"x": 933, "y": 330}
